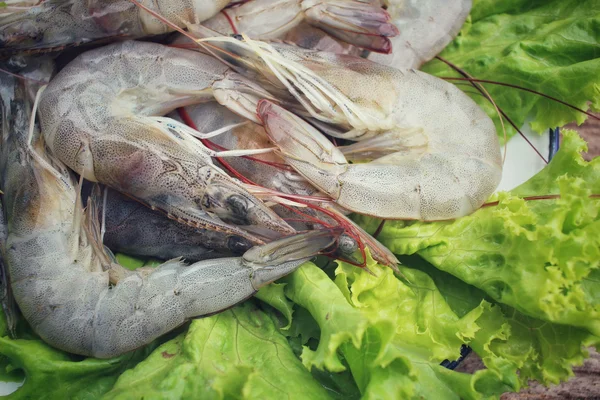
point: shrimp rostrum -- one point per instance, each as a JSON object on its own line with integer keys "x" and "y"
{"x": 60, "y": 273}
{"x": 424, "y": 149}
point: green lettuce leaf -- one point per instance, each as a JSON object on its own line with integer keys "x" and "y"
{"x": 54, "y": 374}
{"x": 274, "y": 296}
{"x": 551, "y": 46}
{"x": 540, "y": 350}
{"x": 535, "y": 256}
{"x": 236, "y": 354}
{"x": 392, "y": 335}
{"x": 411, "y": 327}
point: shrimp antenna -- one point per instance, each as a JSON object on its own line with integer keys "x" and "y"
{"x": 482, "y": 90}
{"x": 535, "y": 198}
{"x": 589, "y": 114}
{"x": 485, "y": 93}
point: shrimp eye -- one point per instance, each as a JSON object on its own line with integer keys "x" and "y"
{"x": 347, "y": 245}
{"x": 238, "y": 245}
{"x": 238, "y": 206}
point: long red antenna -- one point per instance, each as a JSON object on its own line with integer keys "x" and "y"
{"x": 589, "y": 114}
{"x": 533, "y": 198}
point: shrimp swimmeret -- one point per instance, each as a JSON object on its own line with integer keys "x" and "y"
{"x": 60, "y": 273}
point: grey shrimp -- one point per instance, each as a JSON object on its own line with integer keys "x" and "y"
{"x": 60, "y": 273}
{"x": 433, "y": 152}
{"x": 101, "y": 116}
{"x": 54, "y": 24}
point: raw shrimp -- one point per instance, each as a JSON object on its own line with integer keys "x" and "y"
{"x": 98, "y": 116}
{"x": 58, "y": 23}
{"x": 35, "y": 72}
{"x": 132, "y": 228}
{"x": 60, "y": 274}
{"x": 268, "y": 171}
{"x": 361, "y": 22}
{"x": 426, "y": 27}
{"x": 437, "y": 155}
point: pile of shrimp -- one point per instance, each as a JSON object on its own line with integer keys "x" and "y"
{"x": 237, "y": 136}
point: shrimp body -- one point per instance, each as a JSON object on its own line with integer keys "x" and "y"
{"x": 100, "y": 116}
{"x": 56, "y": 23}
{"x": 362, "y": 23}
{"x": 434, "y": 154}
{"x": 60, "y": 274}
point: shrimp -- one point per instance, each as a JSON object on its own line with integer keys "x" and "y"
{"x": 60, "y": 273}
{"x": 268, "y": 171}
{"x": 99, "y": 117}
{"x": 34, "y": 71}
{"x": 437, "y": 153}
{"x": 425, "y": 29}
{"x": 58, "y": 23}
{"x": 421, "y": 29}
{"x": 132, "y": 228}
{"x": 425, "y": 26}
{"x": 361, "y": 22}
